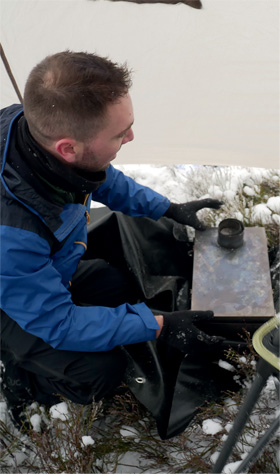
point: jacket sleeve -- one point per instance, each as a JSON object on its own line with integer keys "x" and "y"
{"x": 33, "y": 295}
{"x": 121, "y": 193}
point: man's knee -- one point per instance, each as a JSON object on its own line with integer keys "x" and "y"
{"x": 100, "y": 372}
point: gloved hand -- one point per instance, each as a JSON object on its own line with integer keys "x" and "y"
{"x": 186, "y": 213}
{"x": 180, "y": 332}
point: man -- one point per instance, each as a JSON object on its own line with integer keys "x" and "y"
{"x": 65, "y": 320}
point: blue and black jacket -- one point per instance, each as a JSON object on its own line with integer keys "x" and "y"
{"x": 36, "y": 272}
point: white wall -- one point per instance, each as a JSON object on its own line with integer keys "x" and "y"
{"x": 206, "y": 82}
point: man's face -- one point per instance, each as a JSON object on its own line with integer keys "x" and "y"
{"x": 103, "y": 148}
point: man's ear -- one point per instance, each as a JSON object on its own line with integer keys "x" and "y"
{"x": 69, "y": 149}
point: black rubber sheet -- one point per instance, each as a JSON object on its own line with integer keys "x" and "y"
{"x": 159, "y": 257}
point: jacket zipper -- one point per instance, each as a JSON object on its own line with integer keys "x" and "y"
{"x": 88, "y": 219}
{"x": 87, "y": 213}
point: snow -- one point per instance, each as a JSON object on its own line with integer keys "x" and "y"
{"x": 276, "y": 219}
{"x": 3, "y": 412}
{"x": 225, "y": 365}
{"x": 128, "y": 432}
{"x": 59, "y": 411}
{"x": 228, "y": 427}
{"x": 87, "y": 441}
{"x": 214, "y": 457}
{"x": 36, "y": 421}
{"x": 231, "y": 467}
{"x": 211, "y": 427}
{"x": 273, "y": 203}
{"x": 249, "y": 191}
{"x": 261, "y": 213}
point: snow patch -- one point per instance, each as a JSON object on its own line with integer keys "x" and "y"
{"x": 248, "y": 191}
{"x": 211, "y": 427}
{"x": 36, "y": 421}
{"x": 260, "y": 212}
{"x": 59, "y": 411}
{"x": 231, "y": 467}
{"x": 3, "y": 412}
{"x": 214, "y": 457}
{"x": 229, "y": 195}
{"x": 128, "y": 432}
{"x": 225, "y": 365}
{"x": 276, "y": 219}
{"x": 87, "y": 441}
{"x": 274, "y": 204}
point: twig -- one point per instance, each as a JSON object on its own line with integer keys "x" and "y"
{"x": 10, "y": 74}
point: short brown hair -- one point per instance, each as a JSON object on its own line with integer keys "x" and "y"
{"x": 67, "y": 94}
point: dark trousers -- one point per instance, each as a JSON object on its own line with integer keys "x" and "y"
{"x": 36, "y": 371}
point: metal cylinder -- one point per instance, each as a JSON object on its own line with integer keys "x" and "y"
{"x": 230, "y": 233}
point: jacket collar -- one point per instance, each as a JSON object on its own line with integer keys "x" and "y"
{"x": 60, "y": 219}
{"x": 44, "y": 165}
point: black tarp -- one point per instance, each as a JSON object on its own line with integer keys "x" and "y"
{"x": 157, "y": 254}
{"x": 159, "y": 257}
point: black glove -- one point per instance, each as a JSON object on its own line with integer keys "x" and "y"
{"x": 186, "y": 213}
{"x": 180, "y": 332}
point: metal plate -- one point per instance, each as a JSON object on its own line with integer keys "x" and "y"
{"x": 234, "y": 283}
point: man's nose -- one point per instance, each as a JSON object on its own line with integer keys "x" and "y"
{"x": 128, "y": 137}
